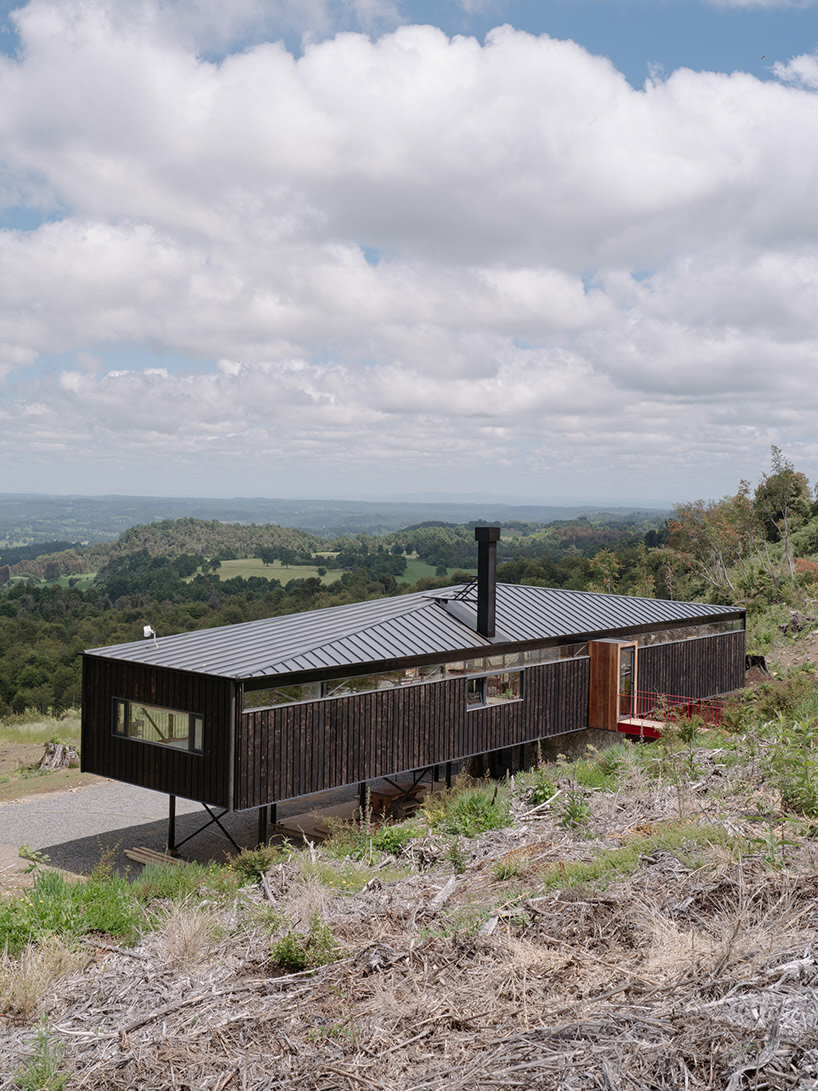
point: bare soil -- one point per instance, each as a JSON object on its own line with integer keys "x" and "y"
{"x": 20, "y": 777}
{"x": 15, "y": 756}
{"x": 35, "y": 783}
{"x": 795, "y": 652}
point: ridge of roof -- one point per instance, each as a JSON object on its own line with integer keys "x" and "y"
{"x": 392, "y": 628}
{"x": 414, "y": 608}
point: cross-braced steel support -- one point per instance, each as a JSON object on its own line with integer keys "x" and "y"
{"x": 173, "y": 844}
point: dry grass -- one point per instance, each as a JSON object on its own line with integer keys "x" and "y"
{"x": 25, "y": 981}
{"x": 186, "y": 935}
{"x": 687, "y": 965}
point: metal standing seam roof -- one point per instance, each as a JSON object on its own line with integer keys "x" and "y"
{"x": 403, "y": 627}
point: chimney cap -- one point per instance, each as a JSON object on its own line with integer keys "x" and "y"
{"x": 486, "y": 534}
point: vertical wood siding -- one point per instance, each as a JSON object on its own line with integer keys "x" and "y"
{"x": 193, "y": 776}
{"x": 297, "y": 749}
{"x": 694, "y": 668}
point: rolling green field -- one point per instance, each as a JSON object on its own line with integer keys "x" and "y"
{"x": 252, "y": 566}
{"x": 82, "y": 580}
{"x": 419, "y": 570}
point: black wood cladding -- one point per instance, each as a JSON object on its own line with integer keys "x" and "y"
{"x": 296, "y": 749}
{"x": 193, "y": 776}
{"x": 293, "y": 750}
{"x": 694, "y": 668}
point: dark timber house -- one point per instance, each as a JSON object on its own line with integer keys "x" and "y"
{"x": 245, "y": 715}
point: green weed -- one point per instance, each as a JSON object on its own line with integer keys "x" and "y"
{"x": 574, "y": 809}
{"x": 794, "y": 764}
{"x": 295, "y": 952}
{"x": 57, "y": 907}
{"x": 466, "y": 920}
{"x": 468, "y": 812}
{"x": 511, "y": 866}
{"x": 541, "y": 787}
{"x": 347, "y": 839}
{"x": 456, "y": 856}
{"x": 771, "y": 842}
{"x": 347, "y": 876}
{"x": 269, "y": 917}
{"x": 394, "y": 839}
{"x": 681, "y": 838}
{"x": 175, "y": 883}
{"x": 42, "y": 1071}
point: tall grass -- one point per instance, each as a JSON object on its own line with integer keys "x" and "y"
{"x": 35, "y": 728}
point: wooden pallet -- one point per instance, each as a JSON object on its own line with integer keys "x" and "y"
{"x": 313, "y": 826}
{"x": 145, "y": 855}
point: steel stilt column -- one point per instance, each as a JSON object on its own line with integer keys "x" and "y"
{"x": 262, "y": 825}
{"x": 171, "y": 823}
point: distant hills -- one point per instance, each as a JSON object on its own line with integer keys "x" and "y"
{"x": 35, "y": 518}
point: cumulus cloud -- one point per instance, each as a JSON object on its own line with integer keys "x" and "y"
{"x": 801, "y": 71}
{"x": 394, "y": 251}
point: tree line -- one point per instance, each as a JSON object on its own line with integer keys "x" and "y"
{"x": 755, "y": 547}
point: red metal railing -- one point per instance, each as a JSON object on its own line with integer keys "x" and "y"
{"x": 670, "y": 708}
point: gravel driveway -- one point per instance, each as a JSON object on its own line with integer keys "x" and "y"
{"x": 75, "y": 828}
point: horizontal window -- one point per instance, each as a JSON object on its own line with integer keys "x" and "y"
{"x": 494, "y": 689}
{"x": 160, "y": 726}
{"x": 408, "y": 676}
{"x": 505, "y": 662}
{"x": 690, "y": 632}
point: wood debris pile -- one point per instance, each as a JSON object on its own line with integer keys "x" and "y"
{"x": 686, "y": 975}
{"x": 671, "y": 980}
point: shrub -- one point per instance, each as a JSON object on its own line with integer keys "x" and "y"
{"x": 796, "y": 696}
{"x": 290, "y": 953}
{"x": 295, "y": 952}
{"x": 794, "y": 764}
{"x": 253, "y": 863}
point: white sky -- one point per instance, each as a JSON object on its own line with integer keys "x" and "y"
{"x": 239, "y": 261}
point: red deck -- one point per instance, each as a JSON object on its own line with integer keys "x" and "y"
{"x": 645, "y": 714}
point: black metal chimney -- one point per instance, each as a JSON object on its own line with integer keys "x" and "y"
{"x": 486, "y": 538}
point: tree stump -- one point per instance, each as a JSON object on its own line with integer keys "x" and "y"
{"x": 59, "y": 756}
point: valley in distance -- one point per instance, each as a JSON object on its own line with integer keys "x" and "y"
{"x": 30, "y": 517}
